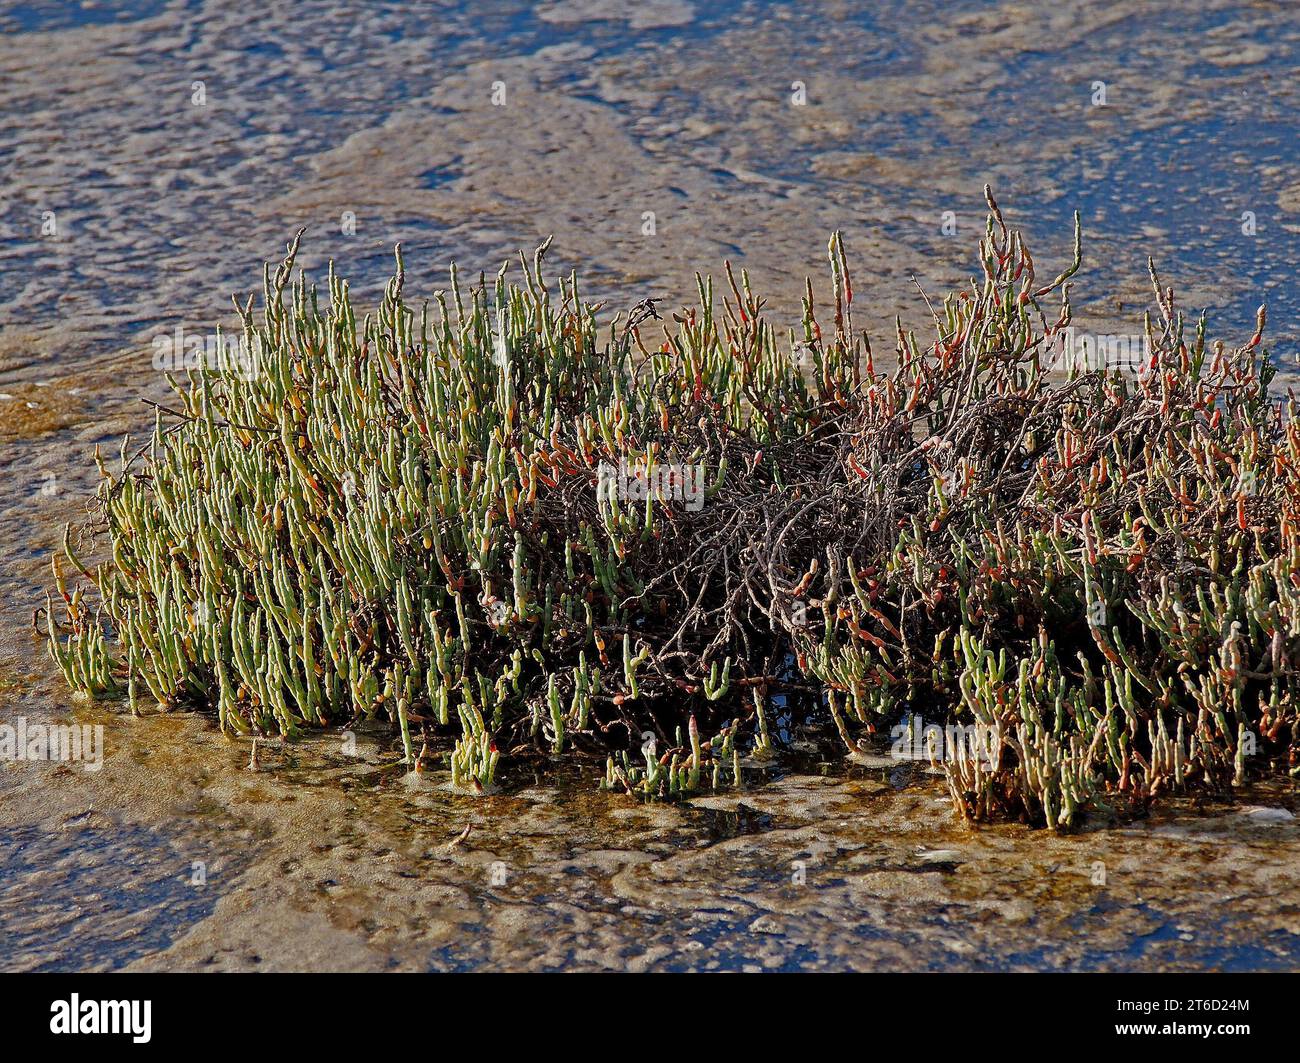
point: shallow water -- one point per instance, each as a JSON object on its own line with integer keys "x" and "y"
{"x": 164, "y": 208}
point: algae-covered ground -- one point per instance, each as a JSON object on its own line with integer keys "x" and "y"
{"x": 179, "y": 855}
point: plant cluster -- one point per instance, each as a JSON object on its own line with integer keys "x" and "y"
{"x": 411, "y": 516}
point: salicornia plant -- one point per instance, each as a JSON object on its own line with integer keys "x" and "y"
{"x": 484, "y": 519}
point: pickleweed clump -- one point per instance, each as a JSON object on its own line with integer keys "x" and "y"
{"x": 503, "y": 528}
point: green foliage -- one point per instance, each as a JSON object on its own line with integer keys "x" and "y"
{"x": 434, "y": 515}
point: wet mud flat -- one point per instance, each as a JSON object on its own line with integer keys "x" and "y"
{"x": 179, "y": 855}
